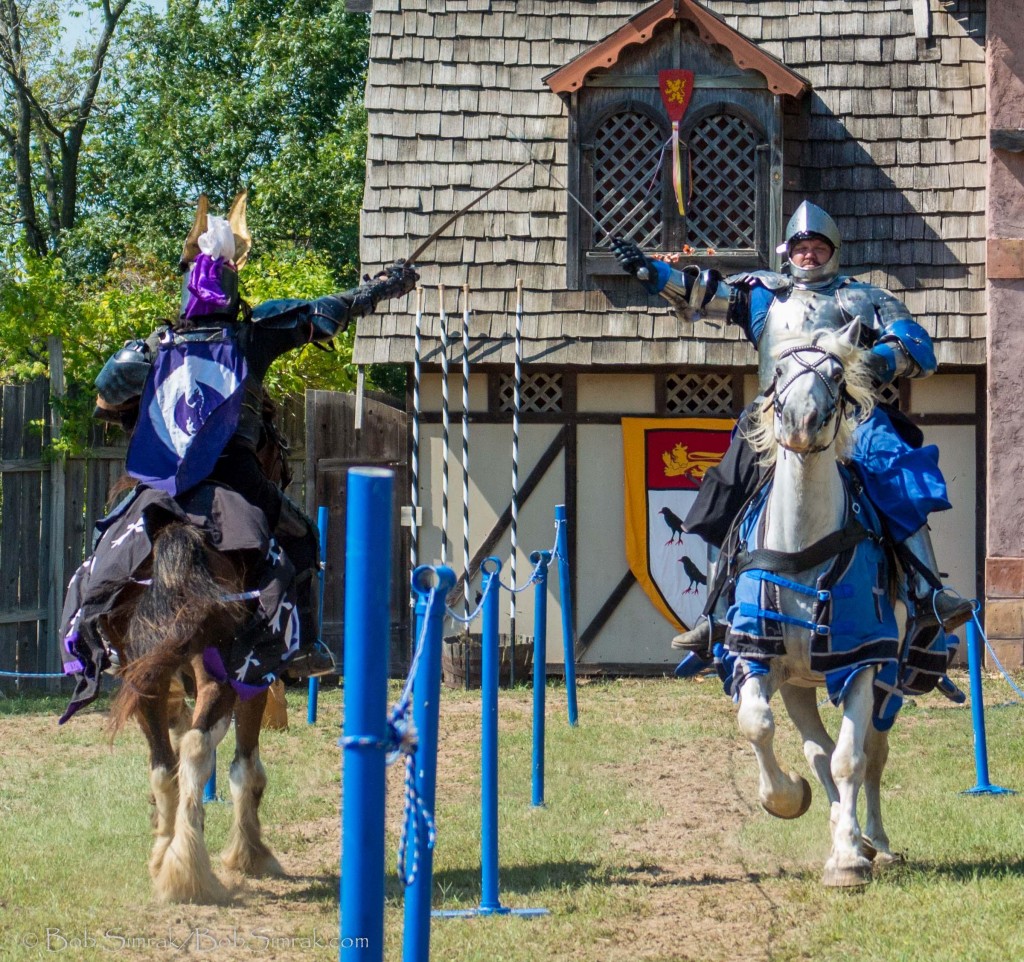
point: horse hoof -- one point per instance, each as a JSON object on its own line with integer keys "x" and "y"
{"x": 846, "y": 876}
{"x": 805, "y": 803}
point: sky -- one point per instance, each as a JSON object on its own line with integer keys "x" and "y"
{"x": 82, "y": 27}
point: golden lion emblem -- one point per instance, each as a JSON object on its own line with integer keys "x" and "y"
{"x": 681, "y": 462}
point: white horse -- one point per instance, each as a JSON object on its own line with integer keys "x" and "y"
{"x": 805, "y": 427}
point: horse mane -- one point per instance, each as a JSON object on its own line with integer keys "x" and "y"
{"x": 760, "y": 432}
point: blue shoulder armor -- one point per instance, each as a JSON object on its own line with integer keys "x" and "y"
{"x": 915, "y": 343}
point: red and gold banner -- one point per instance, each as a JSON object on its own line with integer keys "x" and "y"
{"x": 666, "y": 460}
{"x": 676, "y": 91}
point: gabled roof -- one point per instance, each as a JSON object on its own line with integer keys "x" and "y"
{"x": 639, "y": 30}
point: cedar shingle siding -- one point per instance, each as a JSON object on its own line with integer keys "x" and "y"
{"x": 890, "y": 140}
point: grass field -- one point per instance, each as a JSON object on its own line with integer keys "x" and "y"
{"x": 651, "y": 845}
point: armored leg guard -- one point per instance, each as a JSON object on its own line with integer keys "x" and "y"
{"x": 296, "y": 534}
{"x": 933, "y": 603}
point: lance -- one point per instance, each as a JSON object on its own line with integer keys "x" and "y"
{"x": 643, "y": 274}
{"x": 411, "y": 259}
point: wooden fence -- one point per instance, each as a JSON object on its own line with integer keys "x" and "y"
{"x": 48, "y": 507}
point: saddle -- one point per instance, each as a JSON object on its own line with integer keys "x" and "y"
{"x": 105, "y": 586}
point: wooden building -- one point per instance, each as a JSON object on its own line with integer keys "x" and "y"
{"x": 874, "y": 109}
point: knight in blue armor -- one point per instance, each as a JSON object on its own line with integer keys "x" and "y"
{"x": 193, "y": 391}
{"x": 899, "y": 474}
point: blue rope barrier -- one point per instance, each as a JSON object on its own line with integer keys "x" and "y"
{"x": 402, "y": 740}
{"x": 547, "y": 557}
{"x": 421, "y": 769}
{"x": 998, "y": 663}
{"x": 467, "y": 619}
{"x": 30, "y": 674}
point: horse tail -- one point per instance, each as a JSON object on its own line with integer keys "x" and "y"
{"x": 175, "y": 612}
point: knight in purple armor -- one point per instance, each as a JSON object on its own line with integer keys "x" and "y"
{"x": 899, "y": 474}
{"x": 193, "y": 391}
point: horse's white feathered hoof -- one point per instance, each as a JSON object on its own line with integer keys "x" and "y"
{"x": 846, "y": 876}
{"x": 802, "y": 806}
{"x": 178, "y": 882}
{"x": 254, "y": 861}
{"x": 879, "y": 855}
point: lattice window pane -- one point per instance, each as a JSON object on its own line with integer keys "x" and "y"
{"x": 709, "y": 394}
{"x": 890, "y": 394}
{"x": 723, "y": 160}
{"x": 627, "y": 183}
{"x": 539, "y": 394}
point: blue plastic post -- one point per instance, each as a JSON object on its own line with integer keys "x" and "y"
{"x": 322, "y": 516}
{"x": 210, "y": 788}
{"x": 565, "y": 597}
{"x": 367, "y": 617}
{"x": 490, "y": 904}
{"x": 426, "y": 693}
{"x": 489, "y": 901}
{"x": 540, "y": 560}
{"x": 983, "y": 786}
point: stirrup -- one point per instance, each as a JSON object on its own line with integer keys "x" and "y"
{"x": 700, "y": 638}
{"x": 943, "y": 607}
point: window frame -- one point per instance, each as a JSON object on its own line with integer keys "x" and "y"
{"x": 589, "y": 268}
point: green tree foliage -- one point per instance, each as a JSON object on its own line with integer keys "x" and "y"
{"x": 135, "y": 296}
{"x": 208, "y": 96}
{"x": 223, "y": 95}
{"x": 48, "y": 95}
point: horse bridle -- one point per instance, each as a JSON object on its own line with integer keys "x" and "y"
{"x": 838, "y": 397}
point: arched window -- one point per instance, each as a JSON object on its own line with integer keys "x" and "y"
{"x": 625, "y": 179}
{"x": 724, "y": 173}
{"x": 629, "y": 147}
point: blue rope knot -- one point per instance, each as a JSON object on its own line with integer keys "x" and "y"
{"x": 403, "y": 739}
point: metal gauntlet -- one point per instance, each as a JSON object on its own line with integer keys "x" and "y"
{"x": 695, "y": 293}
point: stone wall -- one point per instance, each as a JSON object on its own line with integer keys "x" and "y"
{"x": 1004, "y": 568}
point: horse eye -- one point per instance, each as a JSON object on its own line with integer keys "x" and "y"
{"x": 837, "y": 375}
{"x": 778, "y": 370}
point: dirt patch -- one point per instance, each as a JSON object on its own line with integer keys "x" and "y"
{"x": 697, "y": 888}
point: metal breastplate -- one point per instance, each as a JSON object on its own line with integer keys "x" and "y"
{"x": 802, "y": 311}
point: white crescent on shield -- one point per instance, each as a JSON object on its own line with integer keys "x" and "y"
{"x": 179, "y": 383}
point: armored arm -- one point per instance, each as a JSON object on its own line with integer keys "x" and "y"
{"x": 120, "y": 382}
{"x": 692, "y": 292}
{"x": 297, "y": 322}
{"x": 903, "y": 348}
{"x": 334, "y": 311}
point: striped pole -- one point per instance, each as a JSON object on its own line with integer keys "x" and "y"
{"x": 465, "y": 443}
{"x": 517, "y": 400}
{"x": 367, "y": 625}
{"x": 445, "y": 424}
{"x": 414, "y": 495}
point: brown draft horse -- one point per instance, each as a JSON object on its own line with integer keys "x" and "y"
{"x": 160, "y": 632}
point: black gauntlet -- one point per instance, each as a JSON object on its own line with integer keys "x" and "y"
{"x": 396, "y": 280}
{"x": 631, "y": 259}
